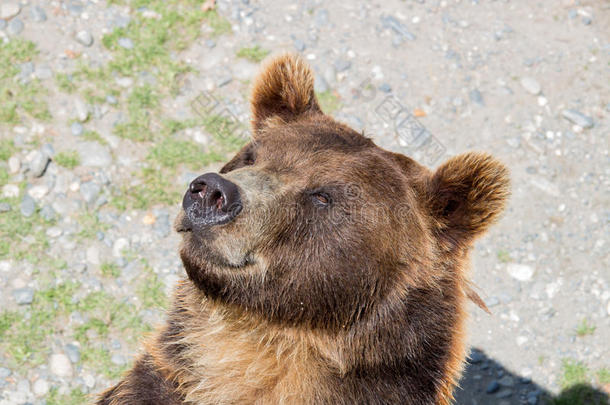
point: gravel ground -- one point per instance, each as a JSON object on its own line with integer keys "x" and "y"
{"x": 108, "y": 109}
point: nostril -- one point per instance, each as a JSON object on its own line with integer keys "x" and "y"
{"x": 198, "y": 187}
{"x": 218, "y": 199}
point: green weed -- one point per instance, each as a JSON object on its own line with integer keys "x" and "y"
{"x": 254, "y": 54}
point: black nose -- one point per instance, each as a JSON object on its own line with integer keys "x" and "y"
{"x": 211, "y": 200}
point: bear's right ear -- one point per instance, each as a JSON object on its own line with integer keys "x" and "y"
{"x": 466, "y": 195}
{"x": 283, "y": 89}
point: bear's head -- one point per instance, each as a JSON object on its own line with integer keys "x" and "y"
{"x": 311, "y": 224}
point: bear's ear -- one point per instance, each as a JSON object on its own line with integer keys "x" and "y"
{"x": 283, "y": 89}
{"x": 467, "y": 194}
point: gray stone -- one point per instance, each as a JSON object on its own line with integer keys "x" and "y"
{"x": 112, "y": 100}
{"x": 26, "y": 70}
{"x": 73, "y": 352}
{"x": 38, "y": 163}
{"x": 47, "y": 149}
{"x": 299, "y": 45}
{"x": 76, "y": 128}
{"x": 9, "y": 10}
{"x": 399, "y": 28}
{"x": 81, "y": 110}
{"x": 210, "y": 43}
{"x": 507, "y": 381}
{"x": 15, "y": 26}
{"x": 531, "y": 85}
{"x": 578, "y": 118}
{"x": 492, "y": 387}
{"x": 342, "y": 65}
{"x": 41, "y": 387}
{"x": 28, "y": 206}
{"x": 47, "y": 212}
{"x": 321, "y": 18}
{"x": 504, "y": 394}
{"x": 43, "y": 72}
{"x": 75, "y": 8}
{"x": 5, "y": 207}
{"x": 93, "y": 154}
{"x": 587, "y": 20}
{"x": 126, "y": 43}
{"x": 476, "y": 97}
{"x": 89, "y": 191}
{"x": 23, "y": 296}
{"x": 224, "y": 80}
{"x": 37, "y": 14}
{"x": 5, "y": 372}
{"x": 118, "y": 359}
{"x": 385, "y": 87}
{"x": 84, "y": 38}
{"x": 59, "y": 364}
{"x": 521, "y": 272}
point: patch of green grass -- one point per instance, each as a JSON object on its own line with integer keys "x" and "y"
{"x": 573, "y": 373}
{"x": 151, "y": 291}
{"x": 171, "y": 152}
{"x": 585, "y": 328}
{"x": 329, "y": 101}
{"x": 100, "y": 360}
{"x": 7, "y": 148}
{"x": 22, "y": 238}
{"x": 503, "y": 256}
{"x": 7, "y": 318}
{"x": 90, "y": 225}
{"x": 19, "y": 99}
{"x": 603, "y": 376}
{"x": 65, "y": 82}
{"x": 110, "y": 269}
{"x": 94, "y": 137}
{"x": 3, "y": 176}
{"x": 254, "y": 54}
{"x": 74, "y": 397}
{"x": 218, "y": 23}
{"x": 69, "y": 159}
{"x": 140, "y": 104}
{"x": 156, "y": 188}
{"x": 24, "y": 340}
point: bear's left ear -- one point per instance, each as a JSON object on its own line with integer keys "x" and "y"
{"x": 283, "y": 89}
{"x": 467, "y": 194}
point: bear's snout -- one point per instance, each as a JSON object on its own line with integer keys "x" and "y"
{"x": 211, "y": 200}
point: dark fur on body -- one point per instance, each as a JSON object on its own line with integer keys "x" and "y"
{"x": 355, "y": 297}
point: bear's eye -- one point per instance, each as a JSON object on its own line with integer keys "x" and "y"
{"x": 249, "y": 158}
{"x": 320, "y": 198}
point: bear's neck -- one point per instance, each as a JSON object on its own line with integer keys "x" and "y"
{"x": 212, "y": 352}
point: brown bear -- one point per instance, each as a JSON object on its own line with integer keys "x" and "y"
{"x": 321, "y": 268}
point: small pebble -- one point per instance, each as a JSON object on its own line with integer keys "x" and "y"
{"x": 38, "y": 14}
{"x": 521, "y": 272}
{"x": 73, "y": 352}
{"x": 76, "y": 128}
{"x": 59, "y": 364}
{"x": 125, "y": 43}
{"x": 492, "y": 387}
{"x": 578, "y": 118}
{"x": 531, "y": 85}
{"x": 84, "y": 38}
{"x": 28, "y": 206}
{"x": 23, "y": 296}
{"x": 15, "y": 26}
{"x": 9, "y": 10}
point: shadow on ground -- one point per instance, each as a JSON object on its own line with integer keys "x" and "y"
{"x": 487, "y": 382}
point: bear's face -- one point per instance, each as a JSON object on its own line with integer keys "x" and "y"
{"x": 312, "y": 223}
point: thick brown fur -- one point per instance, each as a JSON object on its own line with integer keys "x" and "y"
{"x": 342, "y": 281}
